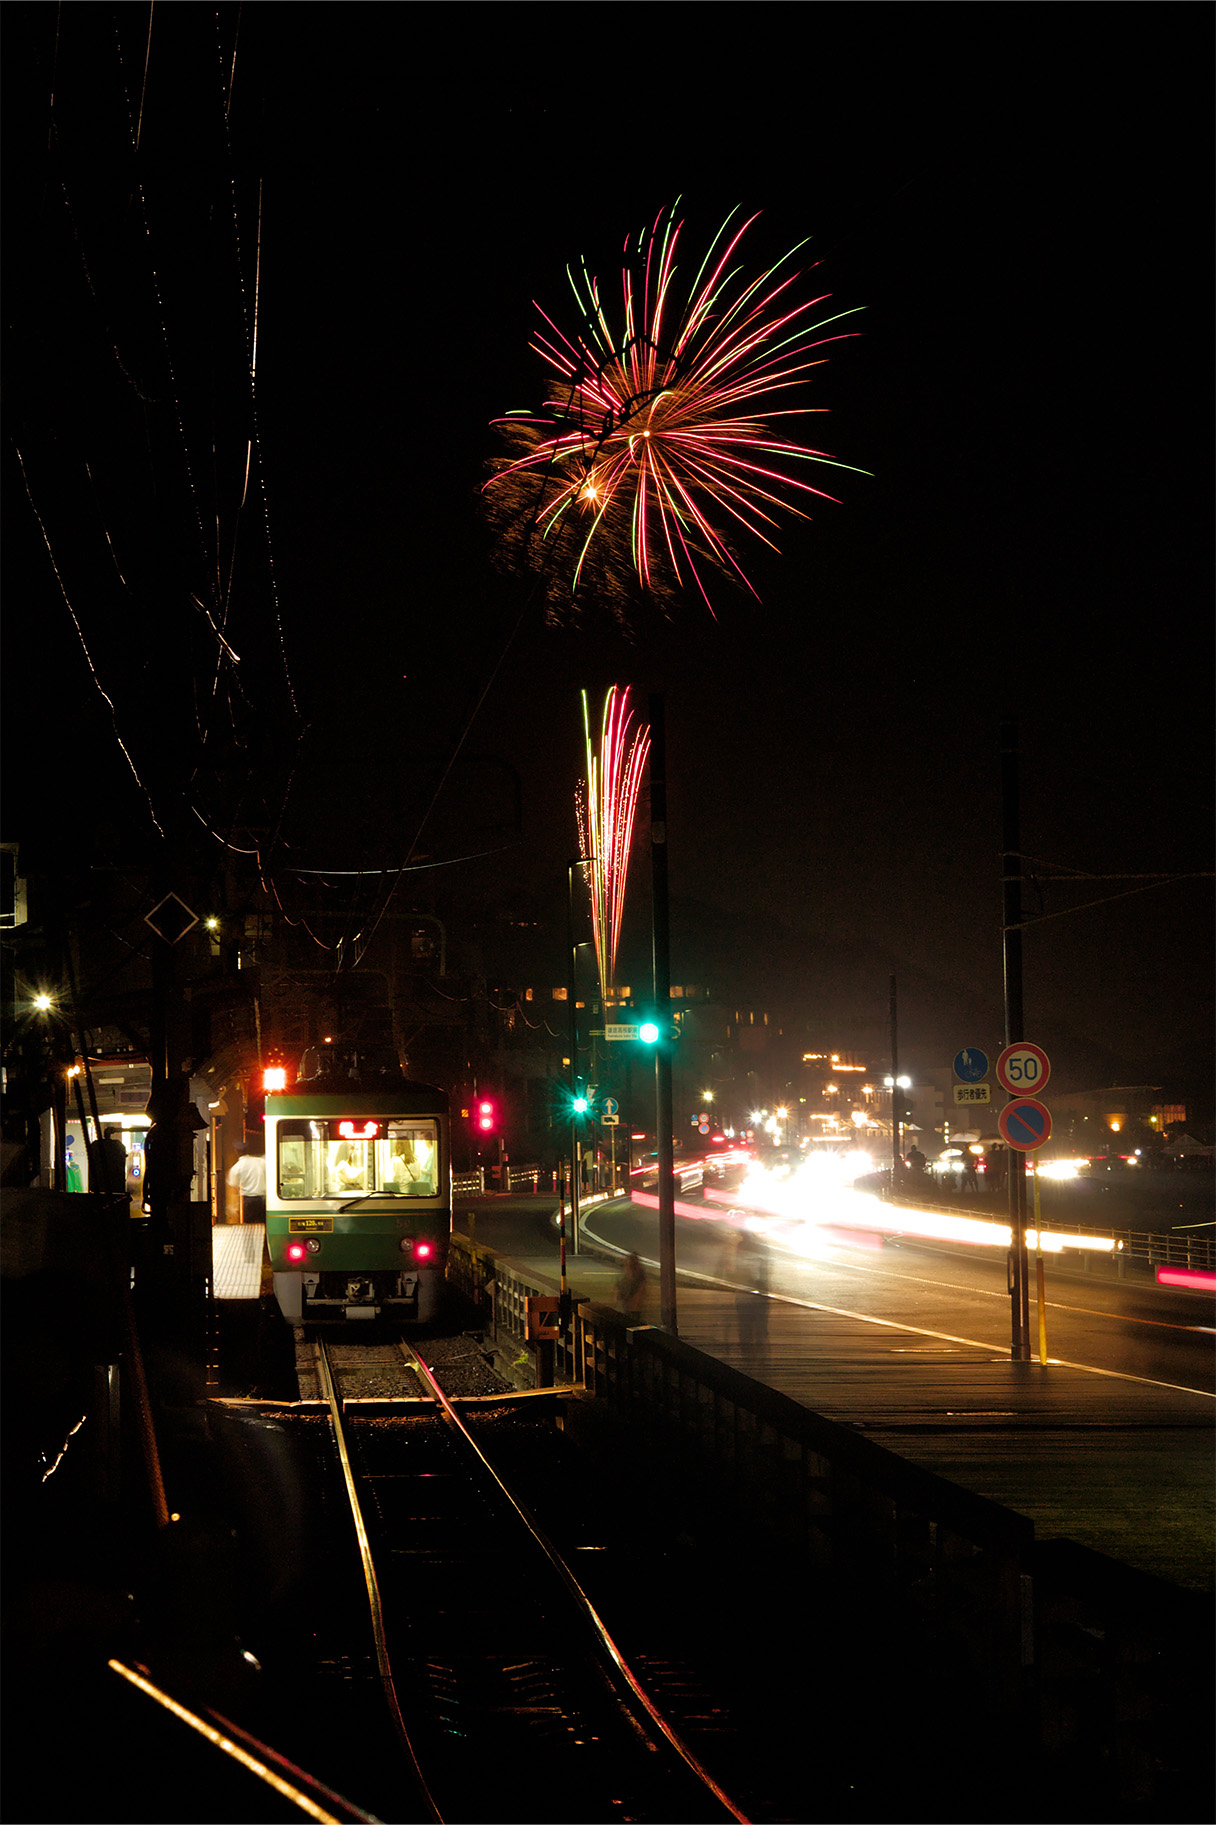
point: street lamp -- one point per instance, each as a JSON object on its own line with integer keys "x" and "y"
{"x": 895, "y": 1085}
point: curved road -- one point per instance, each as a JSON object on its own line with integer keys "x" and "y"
{"x": 1111, "y": 1443}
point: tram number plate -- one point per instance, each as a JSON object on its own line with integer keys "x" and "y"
{"x": 310, "y": 1226}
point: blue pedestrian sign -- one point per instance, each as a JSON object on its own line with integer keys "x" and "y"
{"x": 971, "y": 1064}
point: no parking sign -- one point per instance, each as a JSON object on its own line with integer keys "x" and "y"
{"x": 1025, "y": 1124}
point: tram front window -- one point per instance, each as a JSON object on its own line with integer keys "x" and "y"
{"x": 343, "y": 1158}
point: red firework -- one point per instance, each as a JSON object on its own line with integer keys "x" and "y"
{"x": 657, "y": 437}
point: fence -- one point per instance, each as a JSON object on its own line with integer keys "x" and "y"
{"x": 534, "y": 1179}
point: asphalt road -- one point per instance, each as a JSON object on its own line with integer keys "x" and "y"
{"x": 1110, "y": 1444}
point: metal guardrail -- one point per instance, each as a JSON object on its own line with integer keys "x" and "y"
{"x": 1158, "y": 1248}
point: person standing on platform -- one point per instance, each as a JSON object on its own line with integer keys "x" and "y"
{"x": 248, "y": 1176}
{"x": 108, "y": 1164}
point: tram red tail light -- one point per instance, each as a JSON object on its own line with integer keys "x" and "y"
{"x": 424, "y": 1250}
{"x": 296, "y": 1251}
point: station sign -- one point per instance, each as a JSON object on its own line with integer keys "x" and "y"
{"x": 1023, "y": 1069}
{"x": 1025, "y": 1124}
{"x": 621, "y": 1030}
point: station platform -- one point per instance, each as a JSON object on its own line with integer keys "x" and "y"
{"x": 238, "y": 1256}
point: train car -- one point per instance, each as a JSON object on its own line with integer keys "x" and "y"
{"x": 358, "y": 1201}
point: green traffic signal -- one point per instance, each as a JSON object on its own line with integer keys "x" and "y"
{"x": 649, "y": 1032}
{"x": 581, "y": 1105}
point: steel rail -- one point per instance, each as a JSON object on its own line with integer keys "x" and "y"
{"x": 257, "y": 1765}
{"x": 375, "y": 1607}
{"x": 575, "y": 1589}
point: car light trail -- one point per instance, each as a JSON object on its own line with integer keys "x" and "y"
{"x": 819, "y": 1197}
{"x": 1201, "y": 1279}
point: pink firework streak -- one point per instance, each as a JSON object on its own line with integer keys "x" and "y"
{"x": 653, "y": 441}
{"x": 606, "y": 822}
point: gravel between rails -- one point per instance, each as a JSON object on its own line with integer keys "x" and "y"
{"x": 377, "y": 1371}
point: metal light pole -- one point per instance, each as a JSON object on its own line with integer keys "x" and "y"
{"x": 661, "y": 952}
{"x": 572, "y": 992}
{"x": 895, "y": 1152}
{"x": 1011, "y": 882}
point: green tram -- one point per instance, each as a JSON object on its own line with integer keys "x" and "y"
{"x": 358, "y": 1201}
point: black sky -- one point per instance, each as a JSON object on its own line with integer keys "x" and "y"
{"x": 1020, "y": 198}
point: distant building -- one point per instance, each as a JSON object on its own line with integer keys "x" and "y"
{"x": 1093, "y": 1120}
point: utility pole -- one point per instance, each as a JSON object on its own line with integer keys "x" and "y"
{"x": 895, "y": 1111}
{"x": 661, "y": 951}
{"x": 575, "y": 1119}
{"x": 1011, "y": 882}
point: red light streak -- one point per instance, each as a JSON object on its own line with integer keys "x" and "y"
{"x": 1201, "y": 1279}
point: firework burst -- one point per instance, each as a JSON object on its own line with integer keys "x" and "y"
{"x": 657, "y": 441}
{"x": 605, "y": 818}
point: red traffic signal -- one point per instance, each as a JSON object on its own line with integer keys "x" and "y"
{"x": 486, "y": 1116}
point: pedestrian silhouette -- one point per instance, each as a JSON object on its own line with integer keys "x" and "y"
{"x": 751, "y": 1271}
{"x": 630, "y": 1287}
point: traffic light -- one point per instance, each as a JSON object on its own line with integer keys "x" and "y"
{"x": 485, "y": 1115}
{"x": 580, "y": 1105}
{"x": 651, "y": 1031}
{"x": 648, "y": 1032}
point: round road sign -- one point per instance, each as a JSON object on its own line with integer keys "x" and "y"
{"x": 1023, "y": 1069}
{"x": 1025, "y": 1124}
{"x": 971, "y": 1065}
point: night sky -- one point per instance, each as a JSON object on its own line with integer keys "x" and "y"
{"x": 1020, "y": 199}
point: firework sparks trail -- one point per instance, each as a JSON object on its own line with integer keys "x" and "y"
{"x": 606, "y": 818}
{"x": 657, "y": 437}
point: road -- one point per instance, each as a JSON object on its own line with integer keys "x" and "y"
{"x": 1110, "y": 1444}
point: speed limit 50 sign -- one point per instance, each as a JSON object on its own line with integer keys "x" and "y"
{"x": 1023, "y": 1069}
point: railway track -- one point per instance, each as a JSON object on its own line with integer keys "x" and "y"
{"x": 506, "y": 1693}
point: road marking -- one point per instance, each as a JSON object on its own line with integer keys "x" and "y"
{"x": 984, "y": 1292}
{"x": 915, "y": 1330}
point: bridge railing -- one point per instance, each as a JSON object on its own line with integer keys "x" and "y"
{"x": 533, "y": 1178}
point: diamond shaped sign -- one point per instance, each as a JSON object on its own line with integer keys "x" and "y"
{"x": 171, "y": 919}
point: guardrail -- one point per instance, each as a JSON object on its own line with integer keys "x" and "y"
{"x": 519, "y": 1178}
{"x": 1158, "y": 1248}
